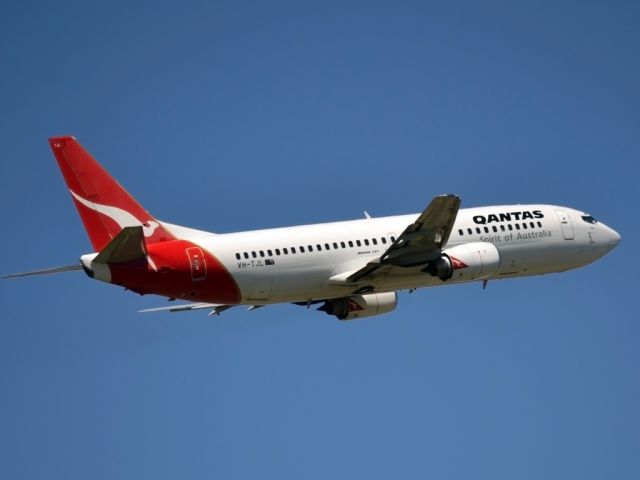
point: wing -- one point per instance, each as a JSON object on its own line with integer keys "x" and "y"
{"x": 420, "y": 242}
{"x": 216, "y": 308}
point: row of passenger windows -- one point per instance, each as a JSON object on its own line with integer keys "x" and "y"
{"x": 310, "y": 248}
{"x": 374, "y": 241}
{"x": 503, "y": 228}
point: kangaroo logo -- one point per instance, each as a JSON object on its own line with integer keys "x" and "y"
{"x": 118, "y": 215}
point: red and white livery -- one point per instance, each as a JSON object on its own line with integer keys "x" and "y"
{"x": 353, "y": 269}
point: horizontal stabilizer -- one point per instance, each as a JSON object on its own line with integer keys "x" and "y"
{"x": 66, "y": 268}
{"x": 127, "y": 246}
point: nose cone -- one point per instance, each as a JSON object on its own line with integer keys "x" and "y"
{"x": 614, "y": 238}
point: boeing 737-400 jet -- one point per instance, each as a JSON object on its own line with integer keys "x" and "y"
{"x": 352, "y": 269}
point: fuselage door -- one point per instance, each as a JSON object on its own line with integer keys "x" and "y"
{"x": 565, "y": 224}
{"x": 198, "y": 263}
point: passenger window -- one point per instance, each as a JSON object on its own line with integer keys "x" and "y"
{"x": 532, "y": 225}
{"x": 277, "y": 251}
{"x": 495, "y": 229}
{"x": 469, "y": 231}
{"x": 384, "y": 240}
{"x": 375, "y": 242}
{"x": 301, "y": 249}
{"x": 285, "y": 251}
{"x": 270, "y": 253}
{"x": 335, "y": 246}
{"x": 460, "y": 232}
{"x": 486, "y": 229}
{"x": 237, "y": 256}
{"x": 510, "y": 227}
{"x": 310, "y": 247}
{"x": 254, "y": 254}
{"x": 358, "y": 243}
{"x": 262, "y": 253}
{"x": 350, "y": 243}
{"x": 517, "y": 226}
{"x": 246, "y": 255}
{"x": 502, "y": 228}
{"x": 293, "y": 250}
{"x": 366, "y": 242}
{"x": 326, "y": 247}
{"x": 524, "y": 225}
{"x": 539, "y": 224}
{"x": 393, "y": 239}
{"x": 478, "y": 231}
{"x": 343, "y": 245}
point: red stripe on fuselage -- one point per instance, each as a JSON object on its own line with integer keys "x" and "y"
{"x": 174, "y": 277}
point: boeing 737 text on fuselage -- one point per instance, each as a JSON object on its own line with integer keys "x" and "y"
{"x": 352, "y": 269}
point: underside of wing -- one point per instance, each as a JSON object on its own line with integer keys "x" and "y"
{"x": 419, "y": 243}
{"x": 216, "y": 308}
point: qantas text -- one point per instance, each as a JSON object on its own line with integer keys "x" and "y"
{"x": 507, "y": 217}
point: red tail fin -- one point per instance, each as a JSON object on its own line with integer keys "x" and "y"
{"x": 104, "y": 206}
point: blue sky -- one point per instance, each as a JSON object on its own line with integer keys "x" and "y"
{"x": 241, "y": 115}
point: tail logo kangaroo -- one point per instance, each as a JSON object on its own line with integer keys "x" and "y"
{"x": 121, "y": 217}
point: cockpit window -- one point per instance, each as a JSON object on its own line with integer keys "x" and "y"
{"x": 589, "y": 219}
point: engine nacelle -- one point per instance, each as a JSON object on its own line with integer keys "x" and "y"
{"x": 470, "y": 261}
{"x": 361, "y": 306}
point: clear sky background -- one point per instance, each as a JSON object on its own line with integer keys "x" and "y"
{"x": 234, "y": 116}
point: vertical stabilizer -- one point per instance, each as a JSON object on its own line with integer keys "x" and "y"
{"x": 104, "y": 206}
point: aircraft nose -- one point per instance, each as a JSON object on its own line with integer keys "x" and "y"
{"x": 614, "y": 238}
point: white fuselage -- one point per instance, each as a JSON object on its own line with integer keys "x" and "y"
{"x": 354, "y": 267}
{"x": 557, "y": 239}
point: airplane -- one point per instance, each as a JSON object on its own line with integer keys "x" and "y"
{"x": 351, "y": 269}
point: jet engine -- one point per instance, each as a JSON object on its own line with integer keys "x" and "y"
{"x": 469, "y": 261}
{"x": 360, "y": 306}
